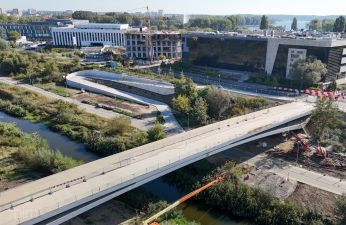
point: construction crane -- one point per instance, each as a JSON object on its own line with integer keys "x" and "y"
{"x": 152, "y": 220}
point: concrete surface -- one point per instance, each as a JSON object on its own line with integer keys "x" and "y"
{"x": 80, "y": 81}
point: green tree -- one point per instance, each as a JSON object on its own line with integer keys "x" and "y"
{"x": 200, "y": 111}
{"x": 264, "y": 23}
{"x": 219, "y": 101}
{"x": 185, "y": 86}
{"x": 328, "y": 25}
{"x": 51, "y": 71}
{"x": 3, "y": 44}
{"x": 182, "y": 104}
{"x": 310, "y": 71}
{"x": 325, "y": 120}
{"x": 339, "y": 25}
{"x": 157, "y": 132}
{"x": 294, "y": 25}
{"x": 13, "y": 35}
{"x": 315, "y": 25}
{"x": 2, "y": 33}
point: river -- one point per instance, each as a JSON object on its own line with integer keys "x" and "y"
{"x": 193, "y": 212}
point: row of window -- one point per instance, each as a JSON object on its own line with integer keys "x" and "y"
{"x": 67, "y": 38}
{"x": 156, "y": 55}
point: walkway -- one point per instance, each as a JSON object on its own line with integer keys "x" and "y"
{"x": 285, "y": 169}
{"x": 104, "y": 179}
{"x": 79, "y": 80}
{"x": 140, "y": 124}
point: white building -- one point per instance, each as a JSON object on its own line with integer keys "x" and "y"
{"x": 92, "y": 34}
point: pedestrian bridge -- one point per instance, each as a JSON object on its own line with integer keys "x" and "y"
{"x": 60, "y": 197}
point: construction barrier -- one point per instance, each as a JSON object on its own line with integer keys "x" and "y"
{"x": 333, "y": 95}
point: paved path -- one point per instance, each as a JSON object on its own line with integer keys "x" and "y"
{"x": 285, "y": 169}
{"x": 140, "y": 124}
{"x": 134, "y": 167}
{"x": 78, "y": 80}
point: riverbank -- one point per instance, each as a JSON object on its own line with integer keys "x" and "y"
{"x": 25, "y": 157}
{"x": 67, "y": 119}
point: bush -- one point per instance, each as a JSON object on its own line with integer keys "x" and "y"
{"x": 156, "y": 133}
{"x": 34, "y": 151}
{"x": 119, "y": 126}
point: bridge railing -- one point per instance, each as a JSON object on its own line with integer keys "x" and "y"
{"x": 126, "y": 160}
{"x": 180, "y": 154}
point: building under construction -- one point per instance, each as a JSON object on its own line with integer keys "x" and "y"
{"x": 153, "y": 45}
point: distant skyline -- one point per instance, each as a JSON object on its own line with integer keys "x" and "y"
{"x": 216, "y": 7}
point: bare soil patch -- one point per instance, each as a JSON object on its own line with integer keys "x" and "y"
{"x": 314, "y": 199}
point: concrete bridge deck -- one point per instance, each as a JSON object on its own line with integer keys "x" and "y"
{"x": 114, "y": 175}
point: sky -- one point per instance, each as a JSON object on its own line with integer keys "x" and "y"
{"x": 219, "y": 7}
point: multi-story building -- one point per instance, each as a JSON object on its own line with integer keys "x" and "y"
{"x": 274, "y": 55}
{"x": 38, "y": 31}
{"x": 93, "y": 34}
{"x": 164, "y": 44}
{"x": 17, "y": 12}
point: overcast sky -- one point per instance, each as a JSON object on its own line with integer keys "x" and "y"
{"x": 296, "y": 7}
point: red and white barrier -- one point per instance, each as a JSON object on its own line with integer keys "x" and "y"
{"x": 334, "y": 95}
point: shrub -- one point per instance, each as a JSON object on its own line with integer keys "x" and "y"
{"x": 156, "y": 133}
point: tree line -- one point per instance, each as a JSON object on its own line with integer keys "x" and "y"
{"x": 197, "y": 107}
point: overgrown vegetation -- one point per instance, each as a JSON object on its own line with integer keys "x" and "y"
{"x": 200, "y": 107}
{"x": 327, "y": 125}
{"x": 101, "y": 136}
{"x": 235, "y": 198}
{"x": 31, "y": 151}
{"x": 35, "y": 67}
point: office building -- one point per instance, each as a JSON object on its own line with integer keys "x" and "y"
{"x": 39, "y": 31}
{"x": 93, "y": 34}
{"x": 274, "y": 55}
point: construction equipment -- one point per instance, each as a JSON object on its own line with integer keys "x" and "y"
{"x": 300, "y": 144}
{"x": 321, "y": 152}
{"x": 151, "y": 220}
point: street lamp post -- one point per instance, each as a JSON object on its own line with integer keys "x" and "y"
{"x": 219, "y": 79}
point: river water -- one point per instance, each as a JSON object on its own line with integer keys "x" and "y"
{"x": 193, "y": 212}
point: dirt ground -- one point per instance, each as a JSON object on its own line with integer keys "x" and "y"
{"x": 314, "y": 199}
{"x": 309, "y": 160}
{"x": 145, "y": 112}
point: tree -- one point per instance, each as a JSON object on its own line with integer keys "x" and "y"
{"x": 185, "y": 86}
{"x": 264, "y": 23}
{"x": 3, "y": 44}
{"x": 219, "y": 102}
{"x": 315, "y": 25}
{"x": 182, "y": 104}
{"x": 157, "y": 132}
{"x": 325, "y": 120}
{"x": 309, "y": 71}
{"x": 200, "y": 111}
{"x": 294, "y": 25}
{"x": 2, "y": 33}
{"x": 51, "y": 71}
{"x": 327, "y": 25}
{"x": 339, "y": 25}
{"x": 13, "y": 35}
